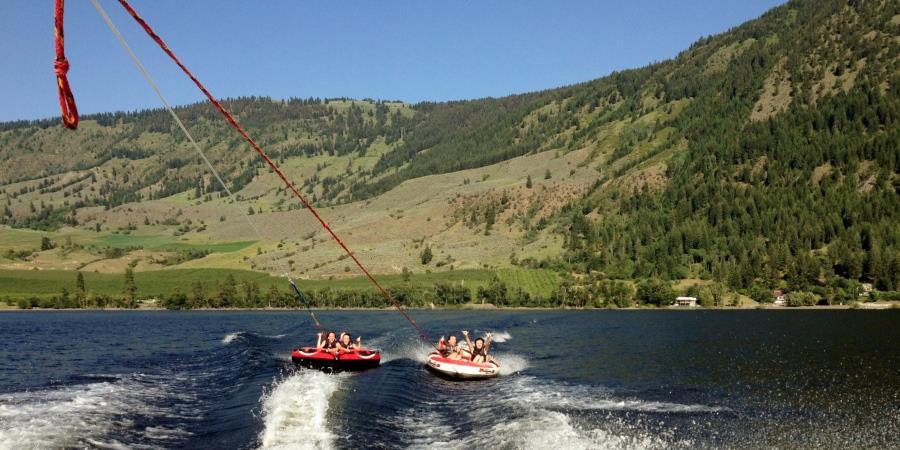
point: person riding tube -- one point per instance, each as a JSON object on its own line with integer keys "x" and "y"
{"x": 329, "y": 345}
{"x": 345, "y": 343}
{"x": 479, "y": 351}
{"x": 450, "y": 348}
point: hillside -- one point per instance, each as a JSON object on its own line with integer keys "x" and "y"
{"x": 763, "y": 157}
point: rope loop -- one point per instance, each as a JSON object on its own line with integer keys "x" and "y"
{"x": 69, "y": 112}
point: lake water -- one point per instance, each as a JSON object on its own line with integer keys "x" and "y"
{"x": 572, "y": 379}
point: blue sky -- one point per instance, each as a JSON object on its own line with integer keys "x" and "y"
{"x": 405, "y": 50}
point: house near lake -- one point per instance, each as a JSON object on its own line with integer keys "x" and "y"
{"x": 780, "y": 297}
{"x": 865, "y": 290}
{"x": 686, "y": 301}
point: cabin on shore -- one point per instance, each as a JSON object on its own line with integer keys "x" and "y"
{"x": 865, "y": 290}
{"x": 689, "y": 302}
{"x": 780, "y": 297}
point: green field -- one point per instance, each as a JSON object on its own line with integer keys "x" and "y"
{"x": 15, "y": 284}
{"x": 45, "y": 283}
{"x": 532, "y": 281}
{"x": 169, "y": 243}
{"x": 19, "y": 239}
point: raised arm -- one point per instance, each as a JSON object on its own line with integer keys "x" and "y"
{"x": 468, "y": 341}
{"x": 359, "y": 342}
{"x": 487, "y": 342}
{"x": 319, "y": 340}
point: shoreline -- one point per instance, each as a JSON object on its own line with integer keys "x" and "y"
{"x": 862, "y": 306}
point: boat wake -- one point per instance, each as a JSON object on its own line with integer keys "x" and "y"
{"x": 295, "y": 411}
{"x": 502, "y": 336}
{"x": 110, "y": 413}
{"x": 511, "y": 363}
{"x": 414, "y": 350}
{"x": 231, "y": 337}
{"x": 525, "y": 412}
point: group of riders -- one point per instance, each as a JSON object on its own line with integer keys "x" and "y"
{"x": 334, "y": 345}
{"x": 476, "y": 352}
{"x": 450, "y": 348}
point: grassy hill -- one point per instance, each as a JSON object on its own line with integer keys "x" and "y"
{"x": 763, "y": 157}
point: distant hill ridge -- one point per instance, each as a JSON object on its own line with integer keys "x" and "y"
{"x": 764, "y": 156}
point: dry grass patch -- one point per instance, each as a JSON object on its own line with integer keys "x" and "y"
{"x": 820, "y": 172}
{"x": 776, "y": 93}
{"x": 719, "y": 60}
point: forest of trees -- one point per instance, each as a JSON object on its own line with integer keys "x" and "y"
{"x": 290, "y": 128}
{"x": 803, "y": 199}
{"x": 746, "y": 207}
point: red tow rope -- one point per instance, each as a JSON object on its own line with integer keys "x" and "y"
{"x": 61, "y": 67}
{"x": 234, "y": 123}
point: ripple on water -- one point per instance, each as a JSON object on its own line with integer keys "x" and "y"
{"x": 525, "y": 412}
{"x": 100, "y": 414}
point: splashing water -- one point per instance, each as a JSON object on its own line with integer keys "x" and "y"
{"x": 502, "y": 336}
{"x": 76, "y": 415}
{"x": 511, "y": 363}
{"x": 230, "y": 337}
{"x": 525, "y": 412}
{"x": 414, "y": 350}
{"x": 296, "y": 409}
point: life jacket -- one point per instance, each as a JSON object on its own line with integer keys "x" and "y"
{"x": 448, "y": 349}
{"x": 329, "y": 345}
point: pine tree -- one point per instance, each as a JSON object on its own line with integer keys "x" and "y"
{"x": 130, "y": 288}
{"x": 80, "y": 294}
{"x": 227, "y": 294}
{"x": 198, "y": 294}
{"x": 407, "y": 275}
{"x": 426, "y": 255}
{"x": 272, "y": 295}
{"x": 251, "y": 293}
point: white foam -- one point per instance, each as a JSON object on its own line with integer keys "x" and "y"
{"x": 541, "y": 429}
{"x": 112, "y": 444}
{"x": 427, "y": 429}
{"x": 528, "y": 413}
{"x": 295, "y": 411}
{"x": 415, "y": 350}
{"x": 510, "y": 363}
{"x": 502, "y": 336}
{"x": 231, "y": 337}
{"x": 75, "y": 416}
{"x": 165, "y": 433}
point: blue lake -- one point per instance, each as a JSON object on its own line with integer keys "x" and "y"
{"x": 571, "y": 379}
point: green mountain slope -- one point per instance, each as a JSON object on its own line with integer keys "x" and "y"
{"x": 790, "y": 173}
{"x": 761, "y": 157}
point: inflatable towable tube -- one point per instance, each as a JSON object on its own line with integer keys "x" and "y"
{"x": 461, "y": 369}
{"x": 354, "y": 361}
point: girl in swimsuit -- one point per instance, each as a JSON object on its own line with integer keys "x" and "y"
{"x": 479, "y": 350}
{"x": 346, "y": 343}
{"x": 450, "y": 348}
{"x": 330, "y": 344}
